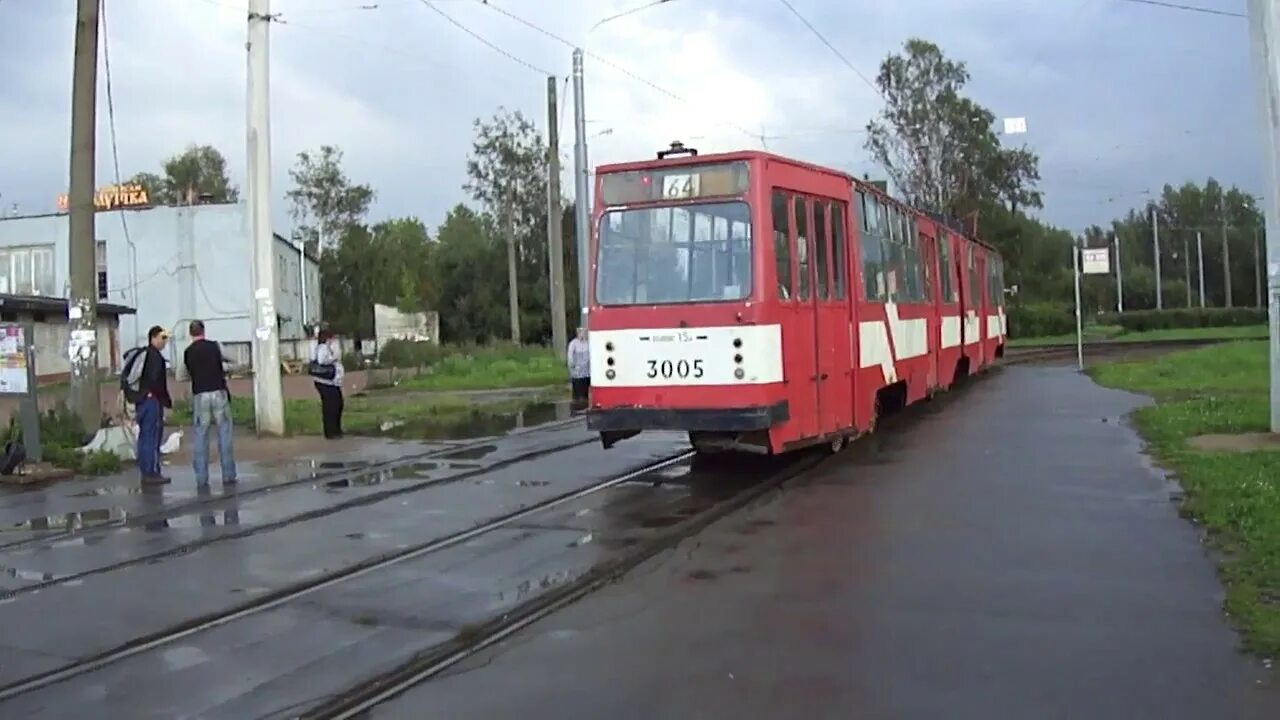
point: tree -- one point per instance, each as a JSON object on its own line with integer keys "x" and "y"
{"x": 324, "y": 203}
{"x": 466, "y": 249}
{"x": 387, "y": 264}
{"x": 938, "y": 146}
{"x": 507, "y": 172}
{"x": 197, "y": 174}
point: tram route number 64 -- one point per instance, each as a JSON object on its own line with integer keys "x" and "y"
{"x": 680, "y": 186}
{"x": 679, "y": 368}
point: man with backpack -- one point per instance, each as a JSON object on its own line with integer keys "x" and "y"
{"x": 145, "y": 382}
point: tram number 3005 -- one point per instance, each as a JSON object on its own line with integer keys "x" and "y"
{"x": 679, "y": 368}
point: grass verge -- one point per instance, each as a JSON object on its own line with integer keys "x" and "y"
{"x": 489, "y": 367}
{"x": 400, "y": 415}
{"x": 1115, "y": 333}
{"x": 1235, "y": 496}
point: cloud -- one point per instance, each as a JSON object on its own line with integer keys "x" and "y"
{"x": 1119, "y": 97}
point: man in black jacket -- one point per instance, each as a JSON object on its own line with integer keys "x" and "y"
{"x": 154, "y": 386}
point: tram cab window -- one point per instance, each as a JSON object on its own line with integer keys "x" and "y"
{"x": 782, "y": 243}
{"x": 684, "y": 254}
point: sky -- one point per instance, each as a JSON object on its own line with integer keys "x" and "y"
{"x": 1120, "y": 96}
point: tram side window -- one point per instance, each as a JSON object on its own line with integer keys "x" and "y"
{"x": 802, "y": 248}
{"x": 995, "y": 283}
{"x": 871, "y": 249}
{"x": 820, "y": 247}
{"x": 926, "y": 271}
{"x": 971, "y": 294}
{"x": 782, "y": 243}
{"x": 837, "y": 250}
{"x": 945, "y": 269}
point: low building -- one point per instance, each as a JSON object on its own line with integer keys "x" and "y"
{"x": 172, "y": 265}
{"x": 50, "y": 326}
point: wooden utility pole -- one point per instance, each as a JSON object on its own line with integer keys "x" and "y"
{"x": 513, "y": 278}
{"x": 82, "y": 305}
{"x": 555, "y": 240}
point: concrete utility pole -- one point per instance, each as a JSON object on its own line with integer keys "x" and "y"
{"x": 555, "y": 212}
{"x": 268, "y": 396}
{"x": 1119, "y": 276}
{"x": 82, "y": 306}
{"x": 1264, "y": 25}
{"x": 581, "y": 175}
{"x": 1200, "y": 261}
{"x": 1257, "y": 269}
{"x": 1186, "y": 265}
{"x": 1155, "y": 242}
{"x": 1226, "y": 251}
{"x": 513, "y": 276}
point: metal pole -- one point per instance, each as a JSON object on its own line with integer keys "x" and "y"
{"x": 268, "y": 397}
{"x": 555, "y": 213}
{"x": 82, "y": 305}
{"x": 1257, "y": 269}
{"x": 1119, "y": 278}
{"x": 1155, "y": 242}
{"x": 1200, "y": 256}
{"x": 582, "y": 201}
{"x": 1075, "y": 265}
{"x": 1264, "y": 21}
{"x": 513, "y": 275}
{"x": 1186, "y": 264}
{"x": 1226, "y": 252}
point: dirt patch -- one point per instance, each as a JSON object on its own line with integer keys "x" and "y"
{"x": 1242, "y": 442}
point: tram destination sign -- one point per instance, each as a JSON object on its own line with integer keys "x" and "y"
{"x": 686, "y": 182}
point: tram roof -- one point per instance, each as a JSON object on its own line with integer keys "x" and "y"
{"x": 749, "y": 155}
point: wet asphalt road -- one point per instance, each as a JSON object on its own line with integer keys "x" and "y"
{"x": 1008, "y": 556}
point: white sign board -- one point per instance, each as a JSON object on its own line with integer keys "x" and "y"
{"x": 1015, "y": 126}
{"x": 1095, "y": 261}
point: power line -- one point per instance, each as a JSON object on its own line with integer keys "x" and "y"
{"x": 605, "y": 61}
{"x": 115, "y": 145}
{"x": 832, "y": 48}
{"x": 1188, "y": 8}
{"x": 479, "y": 37}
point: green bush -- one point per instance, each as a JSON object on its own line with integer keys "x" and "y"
{"x": 1179, "y": 318}
{"x": 61, "y": 436}
{"x": 1041, "y": 320}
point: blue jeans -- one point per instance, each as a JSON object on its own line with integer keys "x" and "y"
{"x": 150, "y": 429}
{"x": 212, "y": 408}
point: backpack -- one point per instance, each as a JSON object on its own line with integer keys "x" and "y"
{"x": 131, "y": 374}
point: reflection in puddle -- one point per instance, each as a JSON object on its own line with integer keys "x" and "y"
{"x": 70, "y": 521}
{"x": 478, "y": 422}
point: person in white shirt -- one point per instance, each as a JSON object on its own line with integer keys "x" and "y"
{"x": 579, "y": 358}
{"x": 326, "y": 370}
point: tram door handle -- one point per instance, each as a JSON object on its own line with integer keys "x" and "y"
{"x": 823, "y": 376}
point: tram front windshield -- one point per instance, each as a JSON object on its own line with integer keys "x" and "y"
{"x": 685, "y": 254}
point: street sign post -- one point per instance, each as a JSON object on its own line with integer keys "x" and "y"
{"x": 1086, "y": 261}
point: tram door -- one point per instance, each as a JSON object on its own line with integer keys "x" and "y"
{"x": 791, "y": 223}
{"x": 831, "y": 316}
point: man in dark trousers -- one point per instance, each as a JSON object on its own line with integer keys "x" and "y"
{"x": 210, "y": 405}
{"x": 154, "y": 386}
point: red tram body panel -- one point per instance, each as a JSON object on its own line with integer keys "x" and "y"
{"x": 765, "y": 304}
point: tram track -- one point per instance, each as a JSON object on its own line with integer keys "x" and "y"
{"x": 1036, "y": 353}
{"x": 269, "y": 601}
{"x": 361, "y": 501}
{"x": 186, "y": 507}
{"x": 361, "y": 698}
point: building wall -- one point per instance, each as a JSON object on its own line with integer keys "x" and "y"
{"x": 184, "y": 263}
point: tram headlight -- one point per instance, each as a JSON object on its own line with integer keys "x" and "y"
{"x": 610, "y": 374}
{"x": 739, "y": 373}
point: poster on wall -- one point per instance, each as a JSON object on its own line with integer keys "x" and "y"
{"x": 13, "y": 360}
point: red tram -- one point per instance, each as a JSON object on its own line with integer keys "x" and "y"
{"x": 764, "y": 304}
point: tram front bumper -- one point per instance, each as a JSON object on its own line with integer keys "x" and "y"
{"x": 632, "y": 420}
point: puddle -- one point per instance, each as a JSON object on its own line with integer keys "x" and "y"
{"x": 110, "y": 490}
{"x": 474, "y": 453}
{"x": 69, "y": 521}
{"x": 31, "y": 575}
{"x": 478, "y": 422}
